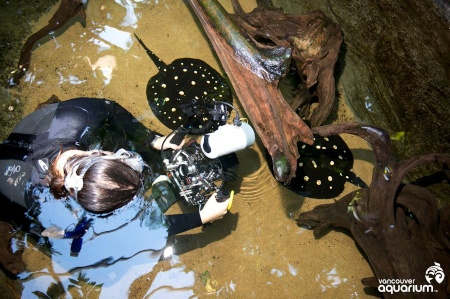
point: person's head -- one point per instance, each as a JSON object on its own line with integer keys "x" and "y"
{"x": 100, "y": 181}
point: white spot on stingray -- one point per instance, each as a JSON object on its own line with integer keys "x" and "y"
{"x": 166, "y": 99}
{"x": 193, "y": 82}
{"x": 330, "y": 178}
{"x": 163, "y": 85}
{"x": 181, "y": 93}
{"x": 314, "y": 163}
{"x": 176, "y": 77}
{"x": 318, "y": 146}
{"x": 306, "y": 178}
{"x": 334, "y": 146}
{"x": 173, "y": 109}
{"x": 326, "y": 139}
{"x": 184, "y": 70}
{"x": 332, "y": 163}
{"x": 340, "y": 157}
{"x": 303, "y": 146}
{"x": 300, "y": 164}
{"x": 319, "y": 182}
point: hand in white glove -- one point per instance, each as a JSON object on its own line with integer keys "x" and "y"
{"x": 167, "y": 144}
{"x": 214, "y": 210}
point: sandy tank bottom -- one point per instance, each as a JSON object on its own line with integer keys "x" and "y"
{"x": 257, "y": 250}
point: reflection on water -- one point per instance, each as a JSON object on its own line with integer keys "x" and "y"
{"x": 106, "y": 64}
{"x": 329, "y": 279}
{"x": 115, "y": 250}
{"x": 257, "y": 251}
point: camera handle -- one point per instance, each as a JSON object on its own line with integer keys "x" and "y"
{"x": 178, "y": 136}
{"x": 223, "y": 195}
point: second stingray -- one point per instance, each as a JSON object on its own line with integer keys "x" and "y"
{"x": 180, "y": 83}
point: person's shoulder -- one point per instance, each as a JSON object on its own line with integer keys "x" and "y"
{"x": 84, "y": 101}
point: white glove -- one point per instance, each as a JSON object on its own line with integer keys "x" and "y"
{"x": 167, "y": 144}
{"x": 214, "y": 210}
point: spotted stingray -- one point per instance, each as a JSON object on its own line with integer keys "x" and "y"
{"x": 178, "y": 84}
{"x": 323, "y": 168}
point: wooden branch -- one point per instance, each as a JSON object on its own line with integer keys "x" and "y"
{"x": 315, "y": 41}
{"x": 67, "y": 10}
{"x": 254, "y": 72}
{"x": 397, "y": 226}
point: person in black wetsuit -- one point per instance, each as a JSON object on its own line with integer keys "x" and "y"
{"x": 76, "y": 148}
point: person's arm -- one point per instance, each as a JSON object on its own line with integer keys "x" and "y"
{"x": 182, "y": 222}
{"x": 213, "y": 210}
{"x": 124, "y": 120}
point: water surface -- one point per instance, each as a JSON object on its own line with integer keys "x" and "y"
{"x": 257, "y": 250}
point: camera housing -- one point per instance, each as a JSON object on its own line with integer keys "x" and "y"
{"x": 194, "y": 175}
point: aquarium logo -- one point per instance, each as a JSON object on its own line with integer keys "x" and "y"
{"x": 392, "y": 286}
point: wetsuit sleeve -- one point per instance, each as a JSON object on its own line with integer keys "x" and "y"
{"x": 182, "y": 222}
{"x": 123, "y": 120}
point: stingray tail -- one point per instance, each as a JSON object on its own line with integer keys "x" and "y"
{"x": 158, "y": 62}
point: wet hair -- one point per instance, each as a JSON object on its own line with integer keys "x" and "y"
{"x": 108, "y": 184}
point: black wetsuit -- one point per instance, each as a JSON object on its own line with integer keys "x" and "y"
{"x": 84, "y": 124}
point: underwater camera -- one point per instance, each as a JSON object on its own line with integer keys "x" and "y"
{"x": 194, "y": 175}
{"x": 196, "y": 169}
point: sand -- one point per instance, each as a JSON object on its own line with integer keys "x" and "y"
{"x": 257, "y": 250}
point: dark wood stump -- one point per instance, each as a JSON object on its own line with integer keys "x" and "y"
{"x": 315, "y": 41}
{"x": 398, "y": 226}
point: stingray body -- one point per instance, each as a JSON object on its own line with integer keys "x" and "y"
{"x": 323, "y": 168}
{"x": 179, "y": 84}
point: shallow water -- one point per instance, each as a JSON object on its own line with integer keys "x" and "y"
{"x": 257, "y": 250}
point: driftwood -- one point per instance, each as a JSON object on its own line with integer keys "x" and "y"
{"x": 11, "y": 261}
{"x": 315, "y": 41}
{"x": 398, "y": 226}
{"x": 66, "y": 11}
{"x": 254, "y": 71}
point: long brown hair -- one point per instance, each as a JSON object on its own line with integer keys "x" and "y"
{"x": 108, "y": 184}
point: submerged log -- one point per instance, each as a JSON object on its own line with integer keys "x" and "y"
{"x": 66, "y": 11}
{"x": 254, "y": 71}
{"x": 398, "y": 226}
